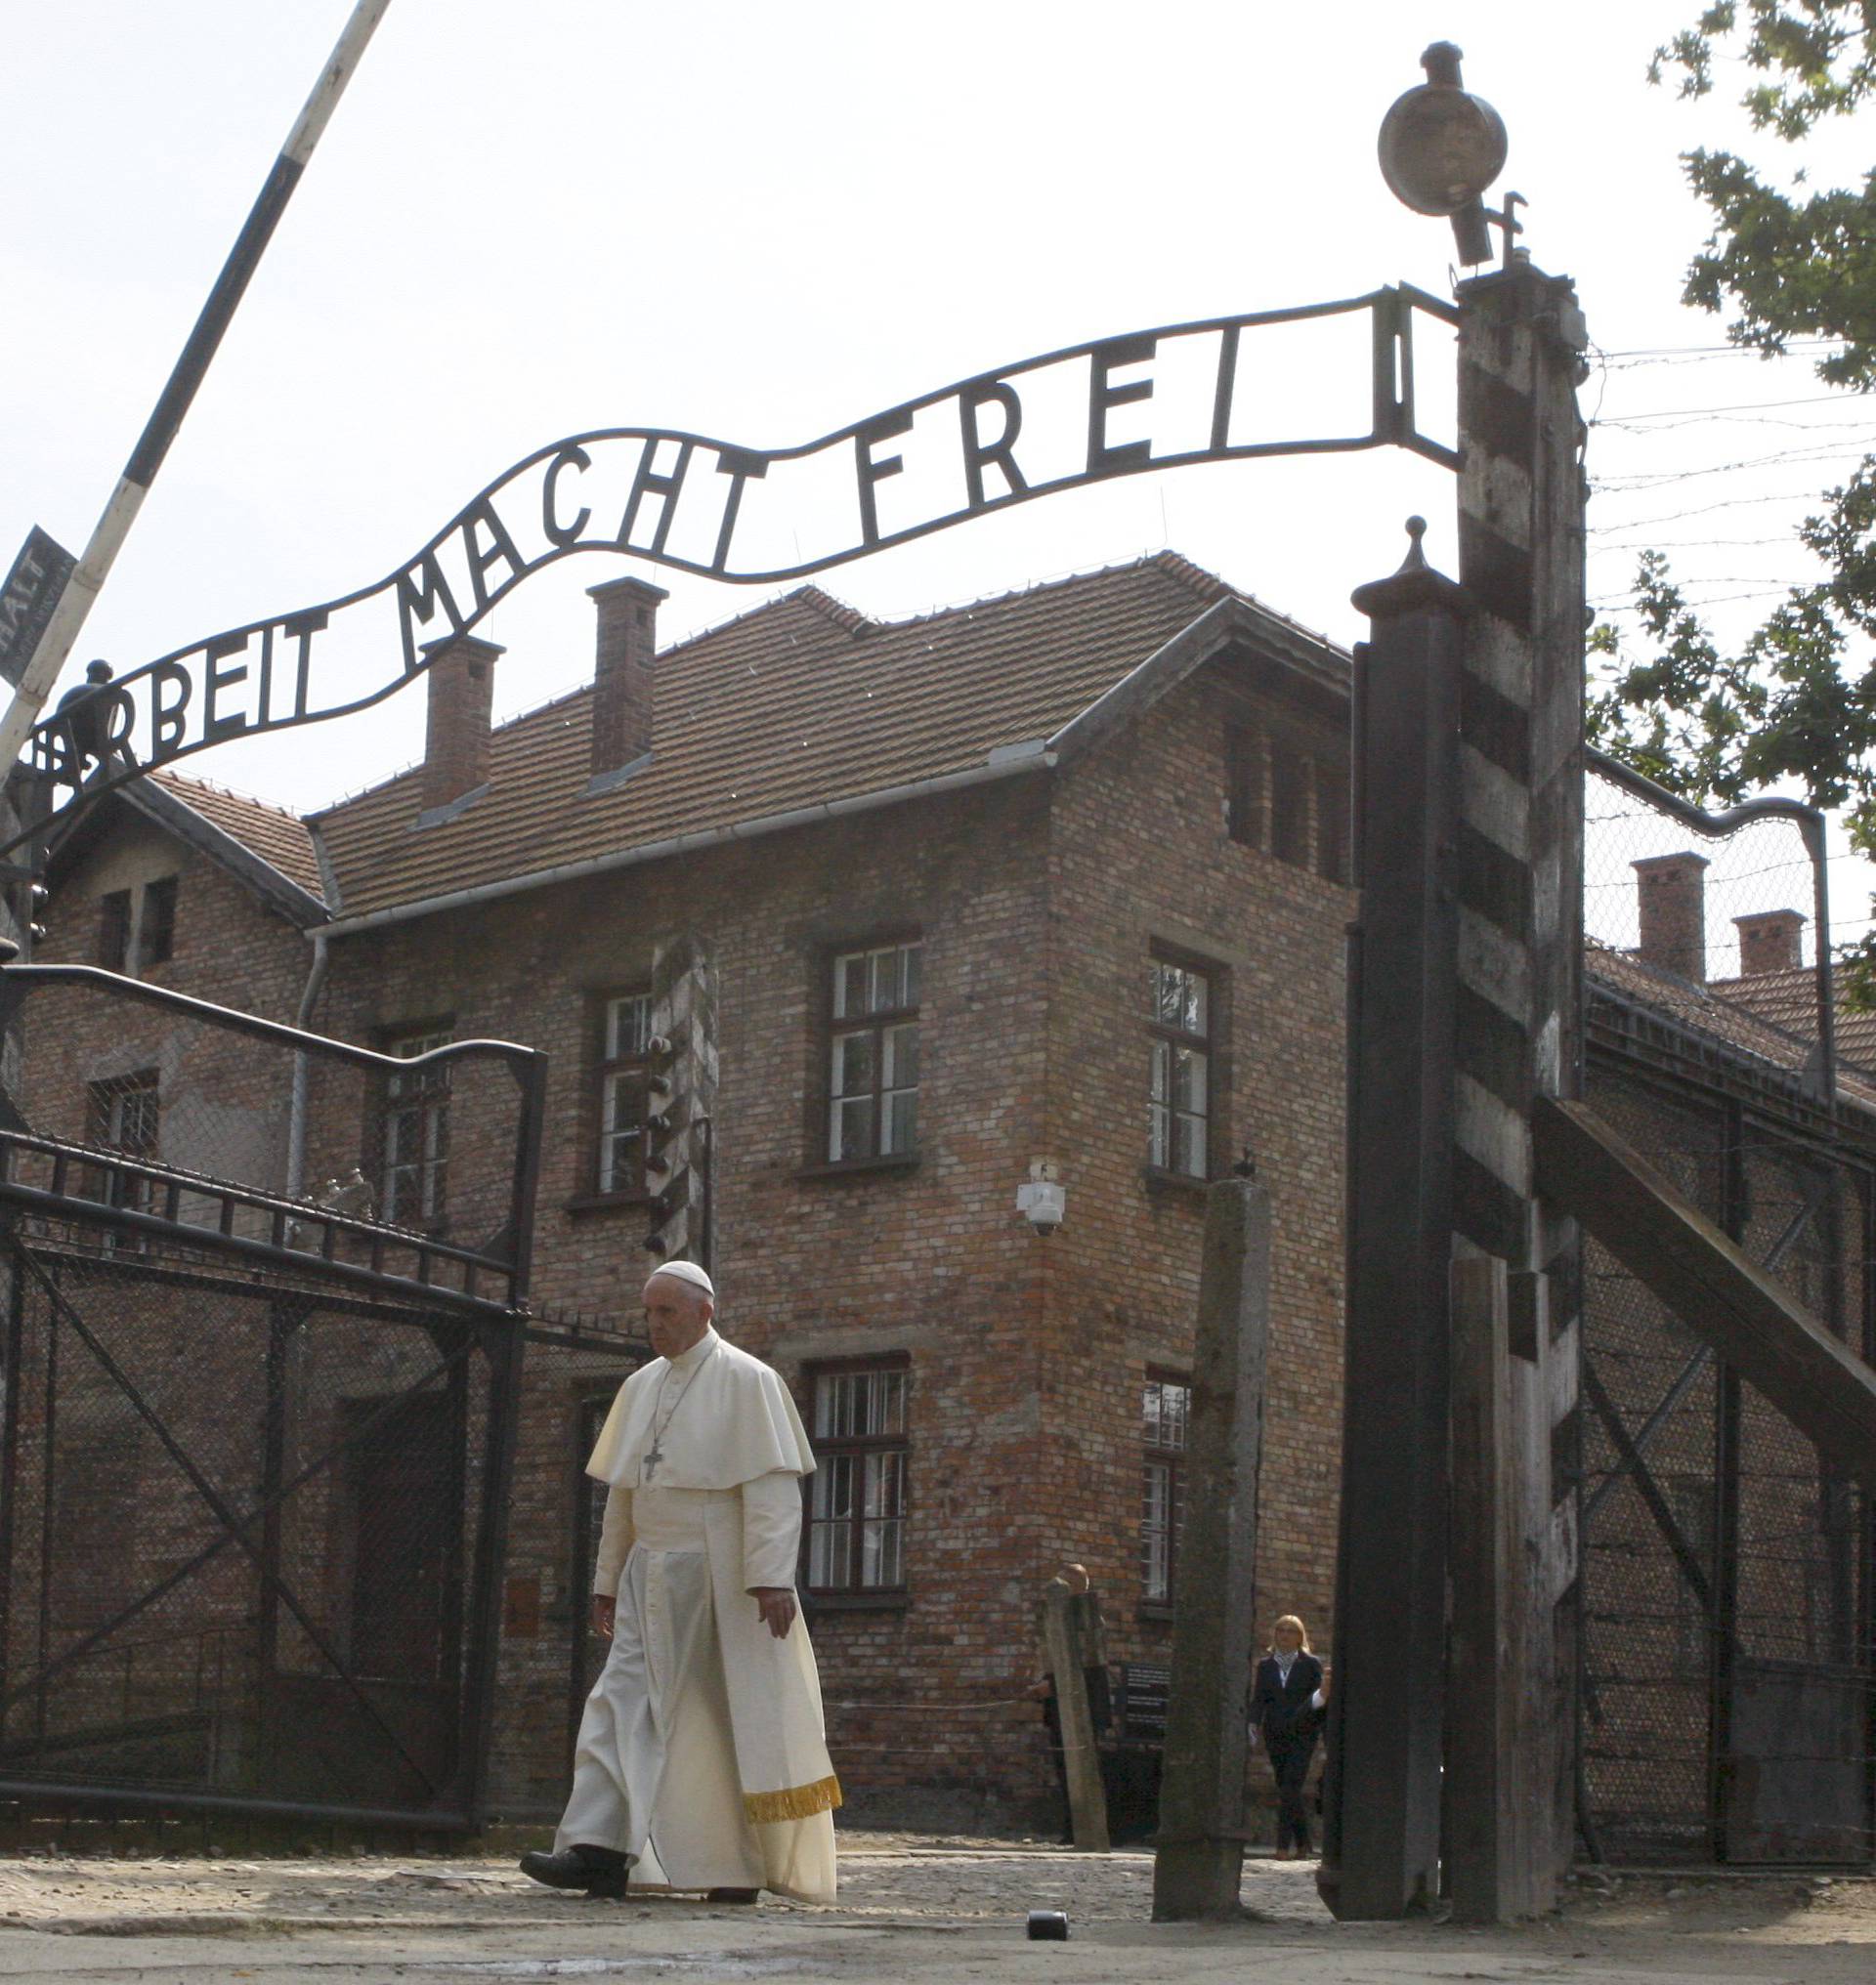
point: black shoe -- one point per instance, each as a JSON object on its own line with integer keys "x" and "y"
{"x": 599, "y": 1871}
{"x": 732, "y": 1895}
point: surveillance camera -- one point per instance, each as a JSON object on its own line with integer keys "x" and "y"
{"x": 1042, "y": 1202}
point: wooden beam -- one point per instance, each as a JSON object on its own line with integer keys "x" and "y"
{"x": 1200, "y": 1860}
{"x": 1065, "y": 1645}
{"x": 1681, "y": 1257}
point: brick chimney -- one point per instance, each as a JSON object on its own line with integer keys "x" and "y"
{"x": 623, "y": 671}
{"x": 1769, "y": 941}
{"x": 1673, "y": 898}
{"x": 455, "y": 739}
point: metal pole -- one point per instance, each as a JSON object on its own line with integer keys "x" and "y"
{"x": 13, "y": 1378}
{"x": 140, "y": 471}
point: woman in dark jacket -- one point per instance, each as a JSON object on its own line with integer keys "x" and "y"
{"x": 1287, "y": 1699}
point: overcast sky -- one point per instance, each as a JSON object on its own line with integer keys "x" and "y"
{"x": 764, "y": 221}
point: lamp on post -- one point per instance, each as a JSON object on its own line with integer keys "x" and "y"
{"x": 1440, "y": 148}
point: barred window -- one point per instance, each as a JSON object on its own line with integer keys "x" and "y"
{"x": 1165, "y": 1406}
{"x": 125, "y": 1115}
{"x": 624, "y": 1038}
{"x": 873, "y": 1096}
{"x": 1180, "y": 1046}
{"x": 417, "y": 1134}
{"x": 857, "y": 1513}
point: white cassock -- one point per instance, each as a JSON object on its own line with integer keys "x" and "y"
{"x": 702, "y": 1751}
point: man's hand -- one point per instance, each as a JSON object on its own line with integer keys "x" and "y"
{"x": 776, "y": 1604}
{"x": 604, "y": 1607}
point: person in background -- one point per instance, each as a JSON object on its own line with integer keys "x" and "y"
{"x": 1287, "y": 1695}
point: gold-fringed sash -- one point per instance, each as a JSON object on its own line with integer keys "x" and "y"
{"x": 793, "y": 1802}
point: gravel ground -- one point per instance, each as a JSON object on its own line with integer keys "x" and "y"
{"x": 946, "y": 1909}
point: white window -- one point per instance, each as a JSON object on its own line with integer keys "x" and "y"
{"x": 873, "y": 1096}
{"x": 1166, "y": 1406}
{"x": 1180, "y": 1046}
{"x": 417, "y": 1134}
{"x": 857, "y": 1515}
{"x": 626, "y": 1033}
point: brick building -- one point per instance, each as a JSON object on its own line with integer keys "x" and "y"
{"x": 1055, "y": 876}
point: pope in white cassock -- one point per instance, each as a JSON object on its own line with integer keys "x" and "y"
{"x": 701, "y": 1760}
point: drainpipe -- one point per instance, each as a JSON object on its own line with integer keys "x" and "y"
{"x": 296, "y": 1108}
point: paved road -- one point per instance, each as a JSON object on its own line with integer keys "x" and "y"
{"x": 945, "y": 1913}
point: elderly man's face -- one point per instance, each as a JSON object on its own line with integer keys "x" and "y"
{"x": 677, "y": 1313}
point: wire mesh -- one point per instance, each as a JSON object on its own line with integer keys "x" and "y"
{"x": 239, "y": 1537}
{"x": 1726, "y": 1680}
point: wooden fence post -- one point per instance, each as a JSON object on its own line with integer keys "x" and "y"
{"x": 1200, "y": 1859}
{"x": 1063, "y": 1641}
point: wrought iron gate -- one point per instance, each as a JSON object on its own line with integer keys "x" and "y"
{"x": 257, "y": 1445}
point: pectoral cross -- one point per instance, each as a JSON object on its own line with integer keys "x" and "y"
{"x": 651, "y": 1460}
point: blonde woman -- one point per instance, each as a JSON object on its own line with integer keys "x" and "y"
{"x": 1287, "y": 1695}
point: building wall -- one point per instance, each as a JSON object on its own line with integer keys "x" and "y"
{"x": 1141, "y": 857}
{"x": 1037, "y": 901}
{"x": 930, "y": 1260}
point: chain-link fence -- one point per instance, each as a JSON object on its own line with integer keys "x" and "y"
{"x": 1713, "y": 919}
{"x": 1726, "y": 1598}
{"x": 414, "y": 1165}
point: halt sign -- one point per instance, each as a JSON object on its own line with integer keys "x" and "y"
{"x": 31, "y": 592}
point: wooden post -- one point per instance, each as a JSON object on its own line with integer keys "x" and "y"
{"x": 1200, "y": 1858}
{"x": 1065, "y": 1644}
{"x": 1380, "y": 1831}
{"x": 1518, "y": 877}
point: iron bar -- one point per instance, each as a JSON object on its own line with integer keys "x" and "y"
{"x": 504, "y": 1349}
{"x": 49, "y": 1425}
{"x": 1724, "y": 1610}
{"x": 40, "y": 1797}
{"x": 54, "y": 1206}
{"x": 12, "y": 1377}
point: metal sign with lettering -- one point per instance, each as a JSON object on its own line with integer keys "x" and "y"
{"x": 1221, "y": 389}
{"x": 39, "y": 575}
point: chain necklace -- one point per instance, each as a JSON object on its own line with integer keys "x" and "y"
{"x": 655, "y": 1453}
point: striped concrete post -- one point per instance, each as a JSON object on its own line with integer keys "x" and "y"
{"x": 1517, "y": 1035}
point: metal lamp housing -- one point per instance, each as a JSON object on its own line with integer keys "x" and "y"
{"x": 1440, "y": 148}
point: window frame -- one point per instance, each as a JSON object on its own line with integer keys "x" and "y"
{"x": 419, "y": 1037}
{"x": 1264, "y": 759}
{"x": 116, "y": 923}
{"x": 836, "y": 1026}
{"x": 1156, "y": 1454}
{"x": 1209, "y": 1044}
{"x": 156, "y": 916}
{"x": 105, "y": 1099}
{"x": 832, "y": 1448}
{"x": 606, "y": 1069}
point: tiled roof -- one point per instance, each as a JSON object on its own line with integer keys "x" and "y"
{"x": 1785, "y": 1037}
{"x": 799, "y": 703}
{"x": 279, "y": 838}
{"x": 1790, "y": 999}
